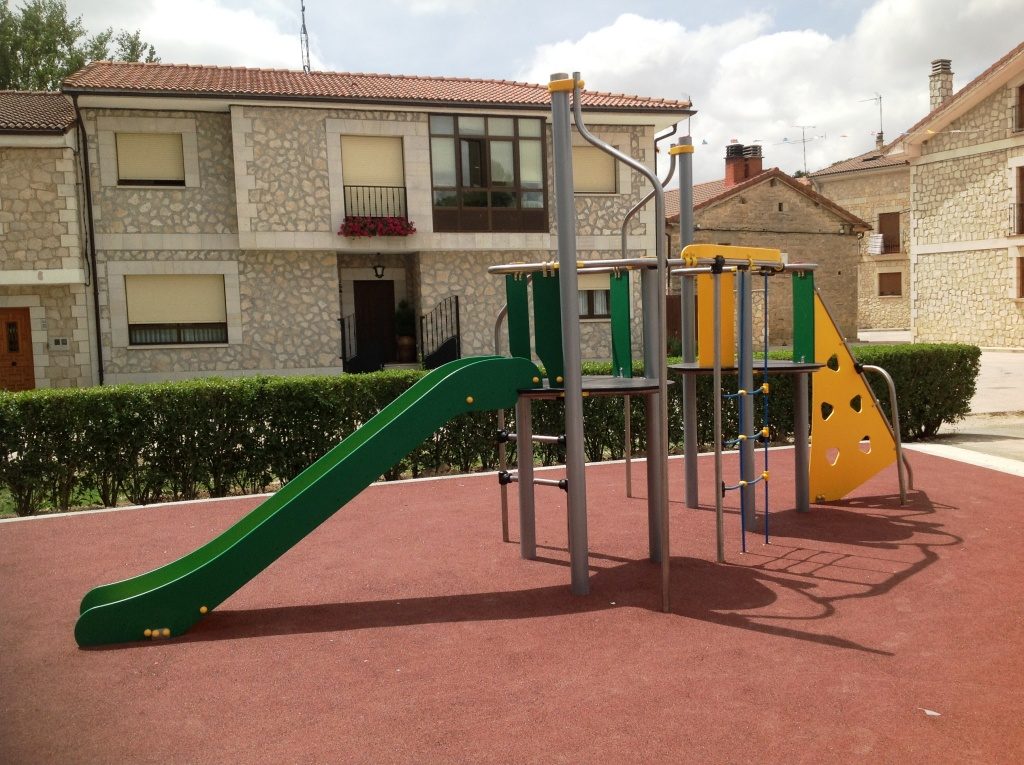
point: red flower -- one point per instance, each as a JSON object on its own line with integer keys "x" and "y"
{"x": 364, "y": 225}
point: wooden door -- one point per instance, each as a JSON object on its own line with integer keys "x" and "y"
{"x": 375, "y": 322}
{"x": 16, "y": 365}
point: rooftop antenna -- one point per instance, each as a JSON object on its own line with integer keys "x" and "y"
{"x": 803, "y": 140}
{"x": 304, "y": 39}
{"x": 878, "y": 97}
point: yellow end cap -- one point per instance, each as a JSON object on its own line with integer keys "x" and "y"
{"x": 559, "y": 379}
{"x": 743, "y": 483}
{"x": 203, "y": 609}
{"x": 764, "y": 475}
{"x": 469, "y": 399}
{"x": 765, "y": 388}
{"x": 165, "y": 632}
{"x": 536, "y": 380}
{"x": 742, "y": 392}
{"x": 742, "y": 437}
{"x": 765, "y": 433}
{"x": 564, "y": 86}
{"x": 684, "y": 148}
{"x": 147, "y": 633}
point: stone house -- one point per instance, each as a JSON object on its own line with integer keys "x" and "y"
{"x": 967, "y": 199}
{"x": 45, "y": 282}
{"x": 875, "y": 186}
{"x": 219, "y": 197}
{"x": 754, "y": 207}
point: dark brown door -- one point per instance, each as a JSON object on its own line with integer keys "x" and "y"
{"x": 16, "y": 372}
{"x": 375, "y": 322}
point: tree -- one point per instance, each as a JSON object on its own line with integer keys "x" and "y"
{"x": 40, "y": 45}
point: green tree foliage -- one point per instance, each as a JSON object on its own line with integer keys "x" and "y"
{"x": 40, "y": 45}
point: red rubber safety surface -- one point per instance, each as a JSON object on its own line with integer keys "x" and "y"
{"x": 404, "y": 630}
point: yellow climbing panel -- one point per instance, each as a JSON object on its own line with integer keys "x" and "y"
{"x": 706, "y": 319}
{"x": 850, "y": 437}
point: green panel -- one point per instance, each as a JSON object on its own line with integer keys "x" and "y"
{"x": 170, "y": 597}
{"x": 803, "y": 316}
{"x": 518, "y": 301}
{"x": 622, "y": 349}
{"x": 547, "y": 326}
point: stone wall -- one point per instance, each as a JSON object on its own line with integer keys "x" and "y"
{"x": 58, "y": 311}
{"x": 208, "y": 208}
{"x": 960, "y": 200}
{"x": 988, "y": 121}
{"x": 964, "y": 298}
{"x": 602, "y": 214}
{"x": 866, "y": 194}
{"x": 288, "y": 303}
{"x": 38, "y": 210}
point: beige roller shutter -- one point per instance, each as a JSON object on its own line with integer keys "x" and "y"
{"x": 150, "y": 157}
{"x": 593, "y": 171}
{"x": 372, "y": 160}
{"x": 593, "y": 282}
{"x": 175, "y": 299}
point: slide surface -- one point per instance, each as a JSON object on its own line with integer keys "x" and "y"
{"x": 170, "y": 599}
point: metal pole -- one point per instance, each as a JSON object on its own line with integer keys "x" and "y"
{"x": 717, "y": 394}
{"x": 658, "y": 400}
{"x": 688, "y": 306}
{"x": 502, "y": 453}
{"x": 649, "y": 295}
{"x": 524, "y": 456}
{"x": 565, "y": 216}
{"x": 745, "y": 364}
{"x": 801, "y": 444}
{"x": 628, "y": 445}
{"x": 894, "y": 426}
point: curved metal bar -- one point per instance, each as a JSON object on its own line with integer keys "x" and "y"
{"x": 702, "y": 266}
{"x": 894, "y": 425}
{"x": 659, "y": 321}
{"x": 640, "y": 205}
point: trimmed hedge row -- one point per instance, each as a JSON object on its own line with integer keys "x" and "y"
{"x": 180, "y": 440}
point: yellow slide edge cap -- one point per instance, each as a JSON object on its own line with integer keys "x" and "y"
{"x": 681, "y": 149}
{"x": 562, "y": 86}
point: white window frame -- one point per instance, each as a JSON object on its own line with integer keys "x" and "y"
{"x": 108, "y": 127}
{"x": 117, "y": 270}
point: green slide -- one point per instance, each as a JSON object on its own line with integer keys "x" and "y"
{"x": 170, "y": 599}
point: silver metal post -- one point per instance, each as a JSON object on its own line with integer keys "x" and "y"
{"x": 745, "y": 364}
{"x": 502, "y": 452}
{"x": 565, "y": 216}
{"x": 627, "y": 446}
{"x": 687, "y": 306}
{"x": 801, "y": 444}
{"x": 658, "y": 400}
{"x": 717, "y": 394}
{"x": 524, "y": 455}
{"x": 649, "y": 295}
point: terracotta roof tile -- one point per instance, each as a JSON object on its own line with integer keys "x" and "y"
{"x": 109, "y": 76}
{"x": 33, "y": 111}
{"x": 867, "y": 161}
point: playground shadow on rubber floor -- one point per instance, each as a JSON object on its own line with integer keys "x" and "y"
{"x": 844, "y": 550}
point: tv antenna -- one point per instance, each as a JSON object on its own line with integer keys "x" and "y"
{"x": 304, "y": 39}
{"x": 803, "y": 140}
{"x": 878, "y": 97}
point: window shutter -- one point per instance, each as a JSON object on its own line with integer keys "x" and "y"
{"x": 150, "y": 157}
{"x": 175, "y": 299}
{"x": 372, "y": 161}
{"x": 593, "y": 171}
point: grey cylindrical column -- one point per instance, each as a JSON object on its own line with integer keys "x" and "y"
{"x": 649, "y": 294}
{"x": 687, "y": 305}
{"x": 565, "y": 217}
{"x": 801, "y": 448}
{"x": 524, "y": 455}
{"x": 745, "y": 362}
{"x": 716, "y": 391}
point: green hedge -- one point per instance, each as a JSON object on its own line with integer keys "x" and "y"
{"x": 216, "y": 437}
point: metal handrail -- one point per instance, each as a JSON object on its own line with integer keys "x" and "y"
{"x": 902, "y": 465}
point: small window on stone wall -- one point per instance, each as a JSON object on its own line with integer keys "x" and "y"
{"x": 176, "y": 310}
{"x": 150, "y": 159}
{"x": 1020, "y": 278}
{"x": 593, "y": 170}
{"x": 890, "y": 284}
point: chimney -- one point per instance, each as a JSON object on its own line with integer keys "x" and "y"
{"x": 741, "y": 162}
{"x": 940, "y": 83}
{"x": 879, "y": 140}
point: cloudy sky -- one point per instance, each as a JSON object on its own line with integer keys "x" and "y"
{"x": 754, "y": 70}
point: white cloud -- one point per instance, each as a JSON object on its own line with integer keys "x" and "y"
{"x": 430, "y": 7}
{"x": 749, "y": 81}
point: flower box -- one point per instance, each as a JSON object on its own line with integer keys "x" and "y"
{"x": 365, "y": 225}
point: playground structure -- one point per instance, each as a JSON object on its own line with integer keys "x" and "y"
{"x": 169, "y": 600}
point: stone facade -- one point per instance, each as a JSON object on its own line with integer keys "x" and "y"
{"x": 866, "y": 194}
{"x": 964, "y": 250}
{"x": 805, "y": 230}
{"x": 41, "y": 262}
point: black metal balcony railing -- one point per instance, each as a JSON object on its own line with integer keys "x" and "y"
{"x": 890, "y": 246}
{"x": 440, "y": 333}
{"x": 376, "y": 201}
{"x": 1017, "y": 218}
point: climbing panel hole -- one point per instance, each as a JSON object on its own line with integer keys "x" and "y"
{"x": 865, "y": 445}
{"x": 833, "y": 363}
{"x": 832, "y": 455}
{"x": 826, "y": 410}
{"x": 855, "y": 403}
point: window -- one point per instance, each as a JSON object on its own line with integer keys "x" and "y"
{"x": 150, "y": 159}
{"x": 488, "y": 173}
{"x": 782, "y": 206}
{"x": 173, "y": 309}
{"x": 594, "y": 296}
{"x": 1018, "y": 110}
{"x": 374, "y": 173}
{"x": 889, "y": 228}
{"x": 1020, "y": 278}
{"x": 890, "y": 284}
{"x": 593, "y": 171}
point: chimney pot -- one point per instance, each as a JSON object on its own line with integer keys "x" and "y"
{"x": 940, "y": 82}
